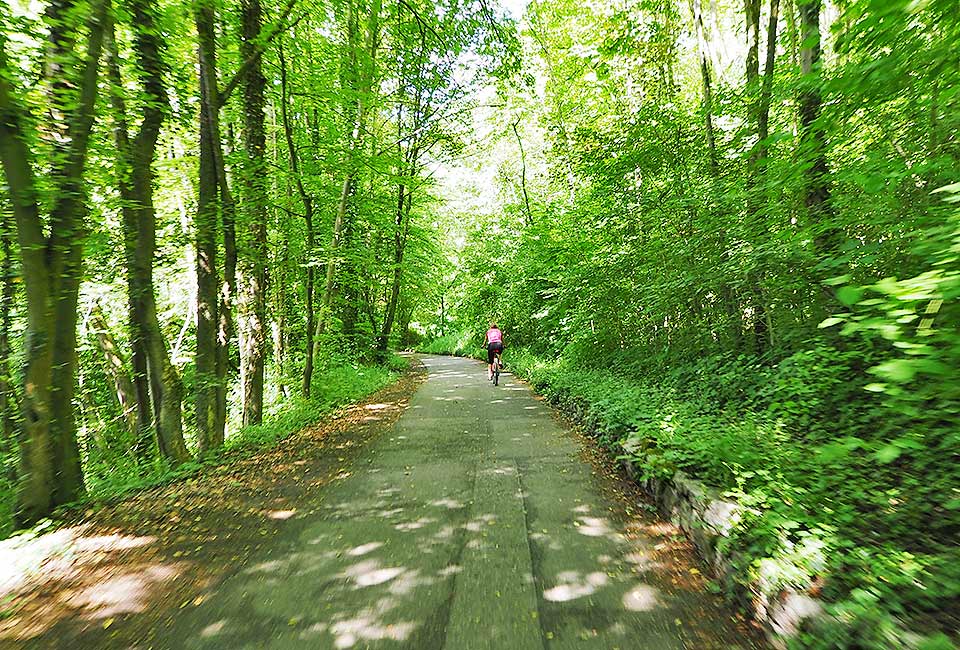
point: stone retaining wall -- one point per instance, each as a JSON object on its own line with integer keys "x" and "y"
{"x": 706, "y": 519}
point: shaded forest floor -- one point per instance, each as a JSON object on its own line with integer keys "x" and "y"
{"x": 114, "y": 571}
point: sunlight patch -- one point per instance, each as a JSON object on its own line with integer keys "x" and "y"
{"x": 641, "y": 599}
{"x": 415, "y": 525}
{"x": 57, "y": 552}
{"x": 214, "y": 628}
{"x": 593, "y": 527}
{"x": 377, "y": 577}
{"x": 113, "y": 542}
{"x": 281, "y": 514}
{"x": 450, "y": 504}
{"x": 349, "y": 633}
{"x": 127, "y": 594}
{"x": 363, "y": 550}
{"x": 575, "y": 587}
{"x": 369, "y": 573}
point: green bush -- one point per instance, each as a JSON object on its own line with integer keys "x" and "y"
{"x": 332, "y": 389}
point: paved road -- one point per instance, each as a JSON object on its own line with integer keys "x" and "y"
{"x": 472, "y": 525}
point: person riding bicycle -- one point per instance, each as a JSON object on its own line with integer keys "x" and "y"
{"x": 494, "y": 345}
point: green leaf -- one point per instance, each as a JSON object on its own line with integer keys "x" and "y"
{"x": 830, "y": 322}
{"x": 888, "y": 454}
{"x": 840, "y": 279}
{"x": 898, "y": 370}
{"x": 849, "y": 295}
{"x": 953, "y": 188}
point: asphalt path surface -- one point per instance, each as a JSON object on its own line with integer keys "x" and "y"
{"x": 473, "y": 524}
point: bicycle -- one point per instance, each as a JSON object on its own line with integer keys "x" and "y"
{"x": 497, "y": 363}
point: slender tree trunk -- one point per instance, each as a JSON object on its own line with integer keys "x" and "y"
{"x": 756, "y": 220}
{"x": 354, "y": 109}
{"x": 125, "y": 168}
{"x": 703, "y": 47}
{"x": 400, "y": 235}
{"x": 346, "y": 189}
{"x": 752, "y": 17}
{"x": 351, "y": 295}
{"x": 8, "y": 394}
{"x": 116, "y": 367}
{"x": 308, "y": 217}
{"x": 523, "y": 174}
{"x": 760, "y": 110}
{"x": 210, "y": 364}
{"x": 255, "y": 203}
{"x": 359, "y": 77}
{"x": 228, "y": 290}
{"x": 766, "y": 89}
{"x": 827, "y": 238}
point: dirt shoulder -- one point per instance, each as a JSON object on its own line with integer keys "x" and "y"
{"x": 118, "y": 570}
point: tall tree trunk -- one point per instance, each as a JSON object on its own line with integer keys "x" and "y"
{"x": 752, "y": 20}
{"x": 400, "y": 235}
{"x": 210, "y": 361}
{"x": 216, "y": 207}
{"x": 766, "y": 89}
{"x": 349, "y": 84}
{"x": 346, "y": 189}
{"x": 703, "y": 47}
{"x": 756, "y": 219}
{"x": 50, "y": 472}
{"x": 359, "y": 76}
{"x": 159, "y": 388}
{"x": 826, "y": 237}
{"x": 255, "y": 204}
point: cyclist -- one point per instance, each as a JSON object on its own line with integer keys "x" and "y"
{"x": 494, "y": 345}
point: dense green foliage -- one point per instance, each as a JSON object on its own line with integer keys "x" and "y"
{"x": 724, "y": 234}
{"x": 774, "y": 312}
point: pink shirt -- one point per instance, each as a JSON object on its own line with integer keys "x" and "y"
{"x": 494, "y": 335}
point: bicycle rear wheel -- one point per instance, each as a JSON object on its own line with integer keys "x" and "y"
{"x": 496, "y": 370}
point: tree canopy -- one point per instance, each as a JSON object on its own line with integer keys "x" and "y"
{"x": 746, "y": 210}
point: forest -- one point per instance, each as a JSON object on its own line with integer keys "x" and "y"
{"x": 724, "y": 236}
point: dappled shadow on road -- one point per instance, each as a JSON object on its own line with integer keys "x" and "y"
{"x": 341, "y": 588}
{"x": 123, "y": 573}
{"x": 384, "y": 569}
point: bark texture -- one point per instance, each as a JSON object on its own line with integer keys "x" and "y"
{"x": 255, "y": 209}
